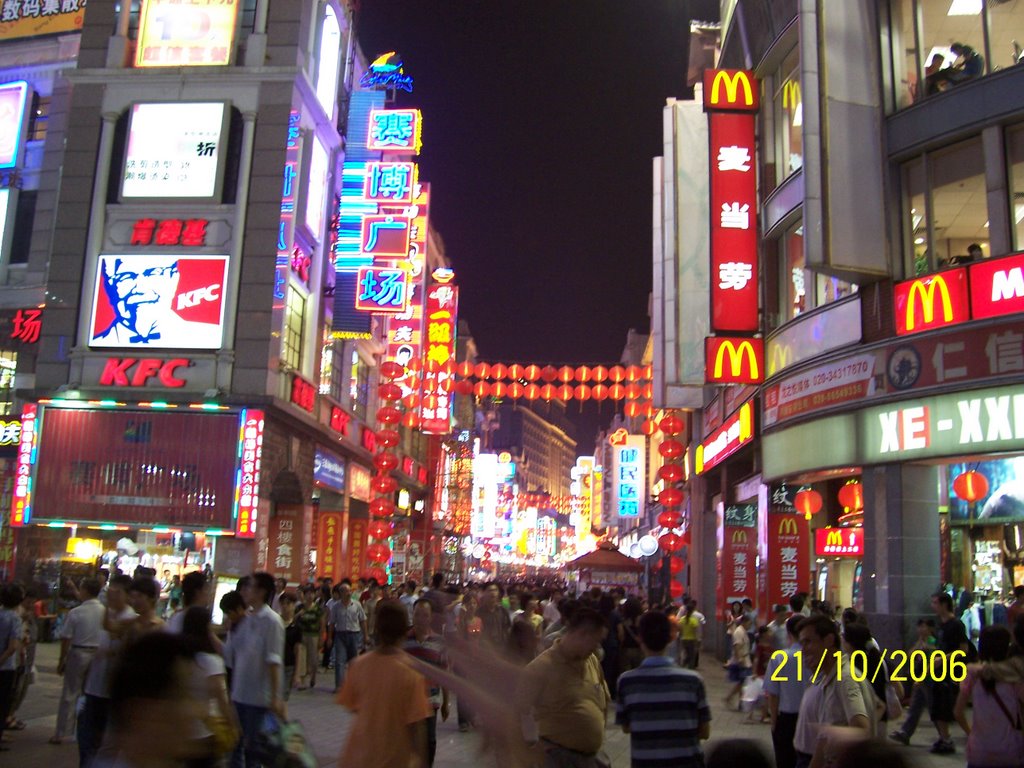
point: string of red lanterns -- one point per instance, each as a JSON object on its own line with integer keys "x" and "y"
{"x": 672, "y": 497}
{"x": 382, "y": 506}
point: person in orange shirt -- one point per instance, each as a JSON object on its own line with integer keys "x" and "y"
{"x": 389, "y": 699}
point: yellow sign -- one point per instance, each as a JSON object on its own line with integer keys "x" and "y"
{"x": 504, "y": 457}
{"x": 834, "y": 539}
{"x": 43, "y": 17}
{"x": 787, "y": 526}
{"x": 200, "y": 33}
{"x": 736, "y": 360}
{"x": 791, "y": 98}
{"x": 926, "y": 290}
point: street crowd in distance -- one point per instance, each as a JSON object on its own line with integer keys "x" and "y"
{"x": 542, "y": 674}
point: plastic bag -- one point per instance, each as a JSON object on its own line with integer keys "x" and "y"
{"x": 751, "y": 693}
{"x": 283, "y": 744}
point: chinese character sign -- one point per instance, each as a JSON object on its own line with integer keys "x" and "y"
{"x": 21, "y": 504}
{"x": 441, "y": 318}
{"x": 382, "y": 289}
{"x": 194, "y": 34}
{"x": 286, "y": 555}
{"x": 739, "y": 564}
{"x": 789, "y": 565}
{"x": 386, "y": 236}
{"x": 395, "y": 130}
{"x": 734, "y": 267}
{"x": 628, "y": 484}
{"x": 247, "y": 484}
{"x": 328, "y": 550}
{"x": 40, "y": 17}
{"x": 26, "y": 325}
{"x": 10, "y": 432}
{"x": 13, "y": 97}
{"x": 390, "y": 183}
{"x": 357, "y": 540}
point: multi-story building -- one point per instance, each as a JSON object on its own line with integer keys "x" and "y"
{"x": 542, "y": 443}
{"x": 889, "y": 156}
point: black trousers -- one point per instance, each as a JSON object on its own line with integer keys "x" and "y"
{"x": 7, "y": 679}
{"x": 782, "y": 740}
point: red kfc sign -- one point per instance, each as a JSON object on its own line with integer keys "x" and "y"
{"x": 340, "y": 420}
{"x": 303, "y": 394}
{"x": 140, "y": 372}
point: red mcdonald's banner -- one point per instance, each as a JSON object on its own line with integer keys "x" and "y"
{"x": 328, "y": 549}
{"x": 355, "y": 560}
{"x": 931, "y": 301}
{"x": 789, "y": 559}
{"x": 739, "y": 564}
{"x": 729, "y": 360}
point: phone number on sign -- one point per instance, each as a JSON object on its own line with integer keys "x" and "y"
{"x": 916, "y": 666}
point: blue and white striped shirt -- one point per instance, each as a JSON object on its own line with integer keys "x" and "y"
{"x": 664, "y": 706}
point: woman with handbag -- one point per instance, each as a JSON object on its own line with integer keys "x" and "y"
{"x": 215, "y": 731}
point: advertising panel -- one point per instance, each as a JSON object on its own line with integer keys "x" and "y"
{"x": 316, "y": 188}
{"x": 31, "y": 19}
{"x": 247, "y": 482}
{"x": 731, "y": 360}
{"x": 355, "y": 561}
{"x": 441, "y": 317}
{"x": 1004, "y": 502}
{"x": 395, "y": 130}
{"x": 735, "y": 432}
{"x": 931, "y": 301}
{"x": 13, "y": 98}
{"x": 328, "y": 549}
{"x": 328, "y": 471}
{"x": 358, "y": 482}
{"x": 739, "y": 564}
{"x": 383, "y": 289}
{"x": 199, "y": 33}
{"x": 159, "y": 302}
{"x": 789, "y": 561}
{"x": 21, "y": 503}
{"x": 629, "y": 454}
{"x": 174, "y": 150}
{"x": 834, "y": 326}
{"x": 839, "y": 542}
{"x": 285, "y": 551}
{"x": 842, "y": 381}
{"x": 997, "y": 286}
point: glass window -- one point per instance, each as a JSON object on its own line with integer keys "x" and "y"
{"x": 831, "y": 289}
{"x": 904, "y": 52}
{"x": 295, "y": 316}
{"x": 359, "y": 385}
{"x": 1015, "y": 145}
{"x": 959, "y": 205}
{"x": 328, "y": 60}
{"x": 915, "y": 216}
{"x": 1006, "y": 33}
{"x": 38, "y": 118}
{"x": 789, "y": 113}
{"x": 8, "y": 365}
{"x": 795, "y": 276}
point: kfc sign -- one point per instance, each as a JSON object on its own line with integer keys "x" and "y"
{"x": 932, "y": 301}
{"x": 997, "y": 287}
{"x": 140, "y": 372}
{"x": 839, "y": 542}
{"x": 733, "y": 361}
{"x": 159, "y": 302}
{"x": 340, "y": 420}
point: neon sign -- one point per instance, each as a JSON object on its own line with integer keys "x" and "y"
{"x": 390, "y": 183}
{"x": 839, "y": 542}
{"x": 935, "y": 301}
{"x": 117, "y": 370}
{"x": 737, "y": 431}
{"x": 439, "y": 350}
{"x": 628, "y": 458}
{"x": 21, "y": 506}
{"x": 745, "y": 356}
{"x": 247, "y": 476}
{"x": 386, "y": 73}
{"x": 188, "y": 232}
{"x": 395, "y": 130}
{"x": 386, "y": 235}
{"x": 13, "y": 97}
{"x": 382, "y": 289}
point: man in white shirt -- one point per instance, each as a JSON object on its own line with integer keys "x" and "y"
{"x": 409, "y": 598}
{"x": 79, "y": 638}
{"x": 196, "y": 589}
{"x": 256, "y": 650}
{"x": 347, "y": 621}
{"x": 551, "y": 614}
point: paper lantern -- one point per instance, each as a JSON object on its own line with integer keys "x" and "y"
{"x": 481, "y": 389}
{"x": 582, "y": 374}
{"x": 482, "y": 370}
{"x": 676, "y": 589}
{"x": 648, "y": 427}
{"x": 391, "y": 370}
{"x": 671, "y": 425}
{"x": 411, "y": 401}
{"x": 464, "y": 369}
{"x": 384, "y": 484}
{"x": 617, "y": 373}
{"x": 388, "y": 415}
{"x": 548, "y": 373}
{"x": 807, "y": 502}
{"x": 670, "y": 473}
{"x": 389, "y": 438}
{"x": 616, "y": 391}
{"x": 671, "y": 497}
{"x": 379, "y": 529}
{"x": 669, "y": 542}
{"x": 548, "y": 392}
{"x": 599, "y": 392}
{"x": 515, "y": 390}
{"x": 515, "y": 371}
{"x": 379, "y": 574}
{"x": 499, "y": 371}
{"x": 532, "y": 372}
{"x": 632, "y": 409}
{"x": 565, "y": 393}
{"x": 464, "y": 387}
{"x": 670, "y": 519}
{"x": 411, "y": 420}
{"x": 582, "y": 392}
{"x": 632, "y": 392}
{"x": 685, "y": 537}
{"x": 633, "y": 373}
{"x": 415, "y": 365}
{"x": 599, "y": 373}
{"x": 648, "y": 372}
{"x": 851, "y": 495}
{"x": 532, "y": 391}
{"x": 378, "y": 553}
{"x": 382, "y": 506}
{"x": 647, "y": 408}
{"x": 389, "y": 392}
{"x": 675, "y": 566}
{"x": 648, "y": 391}
{"x": 498, "y": 389}
{"x": 385, "y": 461}
{"x": 566, "y": 374}
{"x": 671, "y": 449}
{"x": 971, "y": 486}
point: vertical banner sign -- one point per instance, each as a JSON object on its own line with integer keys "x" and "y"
{"x": 739, "y": 564}
{"x": 289, "y": 193}
{"x": 356, "y": 548}
{"x": 21, "y": 504}
{"x": 247, "y": 482}
{"x": 285, "y": 545}
{"x": 789, "y": 566}
{"x": 628, "y": 462}
{"x": 328, "y": 547}
{"x": 438, "y": 351}
{"x": 13, "y": 99}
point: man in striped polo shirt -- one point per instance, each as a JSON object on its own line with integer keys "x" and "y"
{"x": 662, "y": 706}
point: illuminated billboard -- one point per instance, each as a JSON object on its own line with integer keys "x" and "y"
{"x": 13, "y": 97}
{"x": 33, "y": 19}
{"x": 200, "y": 33}
{"x": 174, "y": 150}
{"x": 159, "y": 302}
{"x": 931, "y": 301}
{"x": 316, "y": 188}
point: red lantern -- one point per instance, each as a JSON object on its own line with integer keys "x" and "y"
{"x": 671, "y": 449}
{"x": 675, "y": 566}
{"x": 465, "y": 369}
{"x": 392, "y": 370}
{"x": 389, "y": 438}
{"x": 388, "y": 415}
{"x": 515, "y": 390}
{"x": 648, "y": 372}
{"x": 632, "y": 392}
{"x": 685, "y": 537}
{"x": 582, "y": 374}
{"x": 633, "y": 373}
{"x": 582, "y": 392}
{"x": 385, "y": 461}
{"x": 411, "y": 420}
{"x": 671, "y": 424}
{"x": 415, "y": 364}
{"x": 670, "y": 519}
{"x": 565, "y": 393}
{"x": 389, "y": 392}
{"x": 384, "y": 484}
{"x": 532, "y": 372}
{"x": 411, "y": 401}
{"x": 632, "y": 409}
{"x": 378, "y": 553}
{"x": 971, "y": 486}
{"x": 481, "y": 389}
{"x": 648, "y": 427}
{"x": 379, "y": 574}
{"x": 499, "y": 371}
{"x": 671, "y": 497}
{"x": 648, "y": 391}
{"x": 515, "y": 371}
{"x": 379, "y": 529}
{"x": 808, "y": 502}
{"x": 548, "y": 392}
{"x": 617, "y": 373}
{"x": 851, "y": 495}
{"x": 382, "y": 507}
{"x": 498, "y": 389}
{"x": 566, "y": 374}
{"x": 670, "y": 542}
{"x": 532, "y": 391}
{"x": 549, "y": 373}
{"x": 670, "y": 473}
{"x": 676, "y": 589}
{"x": 599, "y": 373}
{"x": 464, "y": 387}
{"x": 599, "y": 391}
{"x": 616, "y": 391}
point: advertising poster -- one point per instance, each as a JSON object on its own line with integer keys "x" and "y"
{"x": 789, "y": 564}
{"x": 159, "y": 302}
{"x": 285, "y": 544}
{"x": 329, "y": 546}
{"x": 1005, "y": 500}
{"x": 739, "y": 564}
{"x": 197, "y": 33}
{"x": 355, "y": 563}
{"x": 13, "y": 97}
{"x": 45, "y": 17}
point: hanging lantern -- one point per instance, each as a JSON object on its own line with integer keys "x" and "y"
{"x": 379, "y": 529}
{"x": 647, "y": 408}
{"x": 389, "y": 392}
{"x": 389, "y": 438}
{"x": 582, "y": 374}
{"x": 670, "y": 473}
{"x": 648, "y": 427}
{"x": 566, "y": 374}
{"x": 532, "y": 391}
{"x": 599, "y": 373}
{"x": 464, "y": 387}
{"x": 378, "y": 553}
{"x": 482, "y": 370}
{"x": 670, "y": 519}
{"x": 582, "y": 392}
{"x": 565, "y": 393}
{"x": 382, "y": 506}
{"x": 648, "y": 391}
{"x": 669, "y": 542}
{"x": 385, "y": 461}
{"x": 548, "y": 392}
{"x": 411, "y": 420}
{"x": 515, "y": 390}
{"x": 411, "y": 401}
{"x": 616, "y": 391}
{"x": 532, "y": 372}
{"x": 380, "y": 574}
{"x": 851, "y": 495}
{"x": 498, "y": 389}
{"x": 671, "y": 449}
{"x": 549, "y": 373}
{"x": 671, "y": 497}
{"x": 515, "y": 371}
{"x": 648, "y": 372}
{"x": 807, "y": 502}
{"x": 671, "y": 424}
{"x": 685, "y": 537}
{"x": 676, "y": 589}
{"x": 675, "y": 566}
{"x": 464, "y": 369}
{"x": 632, "y": 392}
{"x": 632, "y": 409}
{"x": 971, "y": 486}
{"x": 415, "y": 365}
{"x": 499, "y": 371}
{"x": 617, "y": 373}
{"x": 392, "y": 370}
{"x": 633, "y": 373}
{"x": 384, "y": 484}
{"x": 481, "y": 389}
{"x": 599, "y": 392}
{"x": 388, "y": 415}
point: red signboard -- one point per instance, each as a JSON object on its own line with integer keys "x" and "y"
{"x": 355, "y": 559}
{"x": 26, "y": 325}
{"x": 303, "y": 394}
{"x": 739, "y": 564}
{"x": 368, "y": 440}
{"x": 731, "y": 360}
{"x": 187, "y": 232}
{"x": 340, "y": 419}
{"x": 839, "y": 542}
{"x": 789, "y": 560}
{"x": 285, "y": 550}
{"x": 21, "y": 504}
{"x": 140, "y": 372}
{"x": 247, "y": 489}
{"x": 438, "y": 351}
{"x": 328, "y": 549}
{"x": 997, "y": 286}
{"x": 737, "y": 431}
{"x": 931, "y": 301}
{"x": 731, "y": 90}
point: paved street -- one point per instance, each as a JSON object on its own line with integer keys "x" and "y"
{"x": 327, "y": 726}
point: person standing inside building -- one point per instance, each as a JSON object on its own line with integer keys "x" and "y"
{"x": 662, "y": 707}
{"x": 80, "y": 637}
{"x": 784, "y": 689}
{"x": 256, "y": 649}
{"x": 348, "y": 629}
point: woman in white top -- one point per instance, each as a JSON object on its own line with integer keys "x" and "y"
{"x": 207, "y": 686}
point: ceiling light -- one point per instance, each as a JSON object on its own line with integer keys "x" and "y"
{"x": 964, "y": 8}
{"x": 919, "y": 241}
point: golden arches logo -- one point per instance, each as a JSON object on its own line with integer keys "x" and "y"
{"x": 925, "y": 289}
{"x": 791, "y": 97}
{"x": 834, "y": 539}
{"x": 781, "y": 357}
{"x": 739, "y": 537}
{"x": 733, "y": 81}
{"x": 736, "y": 359}
{"x": 788, "y": 527}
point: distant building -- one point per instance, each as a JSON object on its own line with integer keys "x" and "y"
{"x": 542, "y": 443}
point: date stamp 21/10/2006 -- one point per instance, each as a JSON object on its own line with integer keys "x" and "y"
{"x": 916, "y": 666}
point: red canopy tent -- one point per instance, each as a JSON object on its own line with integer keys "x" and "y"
{"x": 606, "y": 567}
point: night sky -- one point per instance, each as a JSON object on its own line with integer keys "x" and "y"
{"x": 540, "y": 121}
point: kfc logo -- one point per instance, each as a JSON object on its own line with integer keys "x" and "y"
{"x": 133, "y": 372}
{"x": 161, "y": 302}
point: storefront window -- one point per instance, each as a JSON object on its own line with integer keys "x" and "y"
{"x": 359, "y": 385}
{"x": 915, "y": 221}
{"x": 831, "y": 289}
{"x": 789, "y": 113}
{"x": 291, "y": 345}
{"x": 795, "y": 277}
{"x": 959, "y": 206}
{"x": 1015, "y": 146}
{"x": 1006, "y": 33}
{"x": 904, "y": 53}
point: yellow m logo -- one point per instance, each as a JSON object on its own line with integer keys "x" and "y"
{"x": 925, "y": 290}
{"x": 787, "y": 527}
{"x": 834, "y": 539}
{"x": 733, "y": 81}
{"x": 736, "y": 359}
{"x": 739, "y": 537}
{"x": 791, "y": 97}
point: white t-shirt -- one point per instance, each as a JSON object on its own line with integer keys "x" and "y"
{"x": 740, "y": 646}
{"x": 97, "y": 679}
{"x": 205, "y": 666}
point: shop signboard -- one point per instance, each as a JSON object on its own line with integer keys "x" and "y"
{"x": 32, "y": 19}
{"x": 997, "y": 286}
{"x": 383, "y": 290}
{"x": 629, "y": 453}
{"x": 328, "y": 550}
{"x": 285, "y": 551}
{"x": 441, "y": 318}
{"x": 741, "y": 515}
{"x": 395, "y": 130}
{"x": 739, "y": 563}
{"x": 389, "y": 183}
{"x": 13, "y": 99}
{"x": 358, "y": 482}
{"x": 195, "y": 34}
{"x": 789, "y": 567}
{"x": 839, "y": 542}
{"x": 931, "y": 301}
{"x": 355, "y": 562}
{"x": 10, "y": 432}
{"x": 22, "y": 497}
{"x": 830, "y": 384}
{"x": 733, "y": 360}
{"x": 735, "y": 432}
{"x": 328, "y": 471}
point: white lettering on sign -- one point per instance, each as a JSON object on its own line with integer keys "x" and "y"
{"x": 192, "y": 298}
{"x": 1008, "y": 284}
{"x": 723, "y": 441}
{"x": 981, "y": 420}
{"x": 905, "y": 430}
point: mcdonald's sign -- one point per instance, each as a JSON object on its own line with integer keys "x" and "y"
{"x": 739, "y": 537}
{"x": 729, "y": 360}
{"x": 839, "y": 542}
{"x": 791, "y": 98}
{"x": 735, "y": 432}
{"x": 789, "y": 556}
{"x": 931, "y": 301}
{"x": 731, "y": 90}
{"x": 787, "y": 526}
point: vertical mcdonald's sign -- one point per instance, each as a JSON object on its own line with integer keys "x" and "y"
{"x": 731, "y": 360}
{"x": 789, "y": 558}
{"x": 931, "y": 301}
{"x": 731, "y": 99}
{"x": 739, "y": 564}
